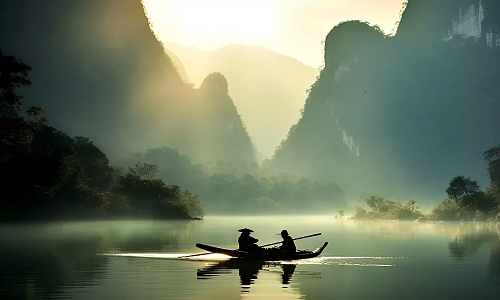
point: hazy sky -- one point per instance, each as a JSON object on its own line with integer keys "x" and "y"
{"x": 290, "y": 27}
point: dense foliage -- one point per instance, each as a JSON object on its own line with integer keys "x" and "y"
{"x": 48, "y": 174}
{"x": 466, "y": 200}
{"x": 384, "y": 209}
{"x": 245, "y": 188}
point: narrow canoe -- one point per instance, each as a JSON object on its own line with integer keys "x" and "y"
{"x": 266, "y": 256}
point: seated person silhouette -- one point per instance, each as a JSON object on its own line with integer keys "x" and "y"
{"x": 247, "y": 242}
{"x": 288, "y": 245}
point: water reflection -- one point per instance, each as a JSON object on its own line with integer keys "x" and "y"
{"x": 495, "y": 265}
{"x": 247, "y": 271}
{"x": 467, "y": 244}
{"x": 38, "y": 261}
{"x": 50, "y": 261}
{"x": 389, "y": 229}
{"x": 467, "y": 238}
{"x": 287, "y": 273}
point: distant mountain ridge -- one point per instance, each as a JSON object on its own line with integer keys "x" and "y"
{"x": 100, "y": 72}
{"x": 268, "y": 88}
{"x": 400, "y": 116}
{"x": 178, "y": 65}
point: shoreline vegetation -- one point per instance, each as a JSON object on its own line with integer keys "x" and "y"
{"x": 238, "y": 188}
{"x": 466, "y": 201}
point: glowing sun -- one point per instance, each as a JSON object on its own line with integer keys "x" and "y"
{"x": 212, "y": 21}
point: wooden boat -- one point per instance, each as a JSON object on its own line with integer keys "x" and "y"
{"x": 266, "y": 255}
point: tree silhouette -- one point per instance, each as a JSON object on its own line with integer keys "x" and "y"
{"x": 462, "y": 188}
{"x": 16, "y": 131}
{"x": 492, "y": 156}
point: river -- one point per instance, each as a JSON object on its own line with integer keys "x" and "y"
{"x": 139, "y": 260}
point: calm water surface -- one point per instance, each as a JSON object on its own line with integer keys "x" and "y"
{"x": 138, "y": 260}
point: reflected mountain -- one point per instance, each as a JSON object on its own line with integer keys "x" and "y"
{"x": 247, "y": 270}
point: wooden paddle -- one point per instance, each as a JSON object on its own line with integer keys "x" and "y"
{"x": 299, "y": 238}
{"x": 193, "y": 255}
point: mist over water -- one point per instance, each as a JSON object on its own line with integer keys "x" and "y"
{"x": 141, "y": 260}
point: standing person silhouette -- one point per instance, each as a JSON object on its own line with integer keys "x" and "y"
{"x": 288, "y": 245}
{"x": 247, "y": 242}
